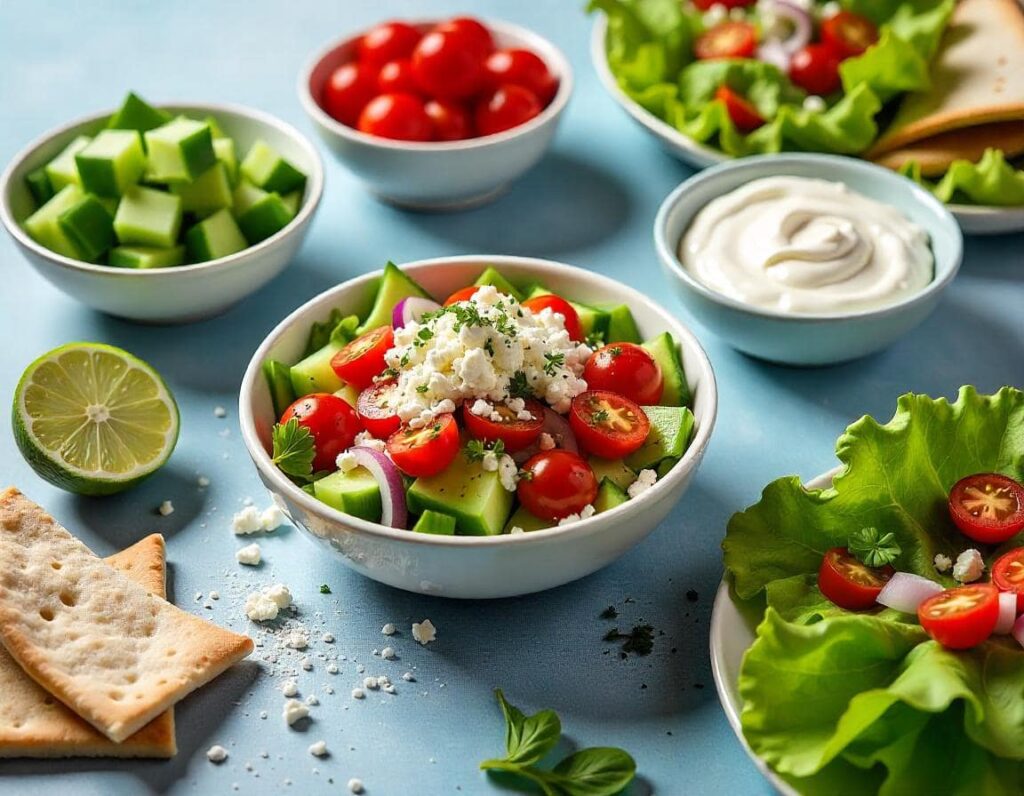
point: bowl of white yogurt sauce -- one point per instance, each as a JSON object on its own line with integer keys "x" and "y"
{"x": 806, "y": 259}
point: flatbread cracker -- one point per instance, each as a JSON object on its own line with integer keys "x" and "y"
{"x": 976, "y": 77}
{"x": 34, "y": 724}
{"x": 935, "y": 155}
{"x": 108, "y": 649}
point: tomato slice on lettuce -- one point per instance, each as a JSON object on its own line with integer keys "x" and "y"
{"x": 987, "y": 507}
{"x": 742, "y": 112}
{"x": 848, "y": 583}
{"x": 727, "y": 40}
{"x": 961, "y": 618}
{"x": 848, "y": 34}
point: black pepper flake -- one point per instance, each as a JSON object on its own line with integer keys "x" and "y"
{"x": 692, "y": 595}
{"x": 643, "y": 686}
{"x": 698, "y": 686}
{"x": 639, "y": 640}
{"x": 609, "y": 613}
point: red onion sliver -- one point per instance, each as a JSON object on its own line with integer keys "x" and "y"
{"x": 1007, "y": 613}
{"x": 798, "y": 17}
{"x": 411, "y": 309}
{"x": 905, "y": 592}
{"x": 558, "y": 427}
{"x": 394, "y": 512}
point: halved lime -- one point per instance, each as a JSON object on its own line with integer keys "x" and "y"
{"x": 93, "y": 419}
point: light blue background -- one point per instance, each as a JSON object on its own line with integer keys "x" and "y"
{"x": 590, "y": 203}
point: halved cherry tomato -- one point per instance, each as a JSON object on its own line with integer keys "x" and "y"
{"x": 397, "y": 116}
{"x": 506, "y": 107}
{"x": 727, "y": 40}
{"x": 395, "y": 77}
{"x": 607, "y": 424}
{"x": 451, "y": 120}
{"x": 521, "y": 68}
{"x": 555, "y": 484}
{"x": 961, "y": 618}
{"x": 626, "y": 369}
{"x": 848, "y": 583}
{"x": 462, "y": 294}
{"x": 815, "y": 69}
{"x": 742, "y": 112}
{"x": 848, "y": 33}
{"x": 332, "y": 422}
{"x": 563, "y": 308}
{"x": 987, "y": 507}
{"x": 447, "y": 64}
{"x": 377, "y": 411}
{"x": 474, "y": 31}
{"x": 387, "y": 42}
{"x": 705, "y": 5}
{"x": 363, "y": 359}
{"x": 348, "y": 90}
{"x": 1008, "y": 575}
{"x": 423, "y": 452}
{"x": 515, "y": 433}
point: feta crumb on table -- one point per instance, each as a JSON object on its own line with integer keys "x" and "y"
{"x": 272, "y": 518}
{"x": 250, "y": 555}
{"x": 216, "y": 754}
{"x": 246, "y": 521}
{"x": 389, "y": 629}
{"x": 969, "y": 566}
{"x": 290, "y": 688}
{"x": 358, "y": 693}
{"x": 355, "y": 785}
{"x": 388, "y": 653}
{"x": 318, "y": 749}
{"x": 297, "y": 640}
{"x": 294, "y": 711}
{"x": 220, "y": 411}
{"x": 166, "y": 508}
{"x": 265, "y": 605}
{"x": 424, "y": 632}
{"x": 202, "y": 482}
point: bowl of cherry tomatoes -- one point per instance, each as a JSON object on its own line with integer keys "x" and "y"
{"x": 438, "y": 114}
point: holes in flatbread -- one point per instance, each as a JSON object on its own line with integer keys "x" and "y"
{"x": 46, "y": 614}
{"x": 116, "y": 695}
{"x": 48, "y": 700}
{"x": 56, "y": 564}
{"x": 161, "y": 681}
{"x": 139, "y": 695}
{"x": 171, "y": 652}
{"x": 68, "y": 599}
{"x": 16, "y": 725}
{"x": 131, "y": 677}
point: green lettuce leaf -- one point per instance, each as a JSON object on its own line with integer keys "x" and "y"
{"x": 990, "y": 181}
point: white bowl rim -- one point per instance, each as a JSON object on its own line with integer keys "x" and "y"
{"x": 552, "y": 56}
{"x": 693, "y": 454}
{"x": 669, "y": 255}
{"x": 314, "y": 191}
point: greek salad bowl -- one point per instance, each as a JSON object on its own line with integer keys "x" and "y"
{"x": 175, "y": 293}
{"x": 439, "y": 175}
{"x": 470, "y": 540}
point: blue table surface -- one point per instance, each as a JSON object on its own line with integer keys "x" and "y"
{"x": 591, "y": 202}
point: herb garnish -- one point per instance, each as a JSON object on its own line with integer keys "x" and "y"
{"x": 639, "y": 640}
{"x": 874, "y": 549}
{"x": 609, "y": 613}
{"x": 552, "y": 362}
{"x": 325, "y": 589}
{"x": 519, "y": 386}
{"x": 597, "y": 771}
{"x": 293, "y": 450}
{"x": 477, "y": 449}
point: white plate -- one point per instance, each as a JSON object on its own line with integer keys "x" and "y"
{"x": 731, "y": 636}
{"x": 973, "y": 220}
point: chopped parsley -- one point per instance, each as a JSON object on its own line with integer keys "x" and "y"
{"x": 422, "y": 388}
{"x": 325, "y": 589}
{"x": 293, "y": 449}
{"x": 519, "y": 386}
{"x": 477, "y": 449}
{"x": 609, "y": 613}
{"x": 639, "y": 640}
{"x": 552, "y": 362}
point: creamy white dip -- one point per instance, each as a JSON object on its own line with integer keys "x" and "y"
{"x": 806, "y": 246}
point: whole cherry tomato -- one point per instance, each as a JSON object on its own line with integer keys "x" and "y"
{"x": 521, "y": 68}
{"x": 395, "y": 77}
{"x": 626, "y": 369}
{"x": 387, "y": 42}
{"x": 348, "y": 90}
{"x": 506, "y": 107}
{"x": 448, "y": 65}
{"x": 398, "y": 116}
{"x": 815, "y": 69}
{"x": 558, "y": 304}
{"x": 332, "y": 422}
{"x": 451, "y": 120}
{"x": 555, "y": 484}
{"x": 475, "y": 32}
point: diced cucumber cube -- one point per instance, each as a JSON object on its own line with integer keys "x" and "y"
{"x": 215, "y": 129}
{"x": 279, "y": 380}
{"x": 260, "y": 214}
{"x": 110, "y": 203}
{"x": 180, "y": 150}
{"x": 148, "y": 217}
{"x": 43, "y": 227}
{"x": 39, "y": 184}
{"x": 146, "y": 256}
{"x": 112, "y": 162}
{"x": 224, "y": 149}
{"x": 435, "y": 522}
{"x": 293, "y": 201}
{"x": 62, "y": 169}
{"x": 137, "y": 114}
{"x": 208, "y": 193}
{"x": 265, "y": 168}
{"x": 88, "y": 224}
{"x": 214, "y": 237}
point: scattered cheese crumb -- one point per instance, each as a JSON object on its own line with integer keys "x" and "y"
{"x": 332, "y": 668}
{"x": 312, "y": 700}
{"x": 272, "y": 518}
{"x": 216, "y": 754}
{"x": 166, "y": 508}
{"x": 202, "y": 482}
{"x": 307, "y": 664}
{"x": 318, "y": 749}
{"x": 388, "y": 653}
{"x": 585, "y": 513}
{"x": 969, "y": 566}
{"x": 814, "y": 103}
{"x": 644, "y": 481}
{"x": 250, "y": 555}
{"x": 220, "y": 411}
{"x": 214, "y": 595}
{"x": 290, "y": 688}
{"x": 294, "y": 711}
{"x": 265, "y": 605}
{"x": 388, "y": 629}
{"x": 408, "y": 677}
{"x": 355, "y": 785}
{"x": 424, "y": 632}
{"x": 328, "y": 638}
{"x": 370, "y": 682}
{"x": 297, "y": 640}
{"x": 547, "y": 442}
{"x": 246, "y": 521}
{"x": 943, "y": 563}
{"x": 516, "y": 529}
{"x": 346, "y": 461}
{"x": 358, "y": 693}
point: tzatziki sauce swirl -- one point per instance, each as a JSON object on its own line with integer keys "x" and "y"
{"x": 806, "y": 246}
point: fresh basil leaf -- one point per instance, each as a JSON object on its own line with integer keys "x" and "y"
{"x": 294, "y": 449}
{"x": 528, "y": 738}
{"x": 598, "y": 771}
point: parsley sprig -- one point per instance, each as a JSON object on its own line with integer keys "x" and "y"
{"x": 294, "y": 449}
{"x": 552, "y": 362}
{"x": 873, "y": 548}
{"x": 477, "y": 449}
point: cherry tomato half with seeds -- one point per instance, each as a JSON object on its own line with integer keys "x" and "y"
{"x": 987, "y": 507}
{"x": 1008, "y": 575}
{"x": 742, "y": 112}
{"x": 476, "y": 34}
{"x": 447, "y": 65}
{"x": 961, "y": 618}
{"x": 377, "y": 410}
{"x": 521, "y": 68}
{"x": 395, "y": 77}
{"x": 348, "y": 90}
{"x": 451, "y": 121}
{"x": 626, "y": 369}
{"x": 848, "y": 34}
{"x": 563, "y": 308}
{"x": 387, "y": 42}
{"x": 332, "y": 422}
{"x": 607, "y": 424}
{"x": 516, "y": 433}
{"x": 400, "y": 117}
{"x": 363, "y": 359}
{"x": 427, "y": 451}
{"x": 848, "y": 583}
{"x": 727, "y": 40}
{"x": 815, "y": 69}
{"x": 506, "y": 107}
{"x": 462, "y": 294}
{"x": 555, "y": 484}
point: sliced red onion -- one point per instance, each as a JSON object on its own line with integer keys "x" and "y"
{"x": 772, "y": 52}
{"x": 394, "y": 512}
{"x": 412, "y": 309}
{"x": 558, "y": 427}
{"x": 905, "y": 592}
{"x": 800, "y": 23}
{"x": 1007, "y": 613}
{"x": 1018, "y": 630}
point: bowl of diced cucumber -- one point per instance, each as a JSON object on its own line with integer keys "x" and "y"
{"x": 163, "y": 214}
{"x": 490, "y": 548}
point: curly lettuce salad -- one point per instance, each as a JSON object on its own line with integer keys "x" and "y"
{"x": 841, "y": 701}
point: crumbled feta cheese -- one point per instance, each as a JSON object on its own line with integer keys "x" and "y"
{"x": 943, "y": 563}
{"x": 830, "y": 9}
{"x": 424, "y": 632}
{"x": 370, "y": 683}
{"x": 355, "y": 785}
{"x": 332, "y": 668}
{"x": 312, "y": 700}
{"x": 216, "y": 754}
{"x": 279, "y": 594}
{"x": 814, "y": 103}
{"x": 247, "y": 521}
{"x": 294, "y": 711}
{"x": 516, "y": 529}
{"x": 481, "y": 408}
{"x": 328, "y": 638}
{"x": 307, "y": 664}
{"x": 547, "y": 442}
{"x": 969, "y": 566}
{"x": 408, "y": 677}
{"x": 358, "y": 693}
{"x": 220, "y": 411}
{"x": 260, "y": 608}
{"x": 489, "y": 463}
{"x": 585, "y": 513}
{"x": 389, "y": 629}
{"x": 714, "y": 15}
{"x": 250, "y": 555}
{"x": 297, "y": 640}
{"x": 318, "y": 749}
{"x": 272, "y": 518}
{"x": 346, "y": 462}
{"x": 388, "y": 653}
{"x": 289, "y": 688}
{"x": 644, "y": 481}
{"x": 383, "y": 681}
{"x": 367, "y": 440}
{"x": 166, "y": 508}
{"x": 202, "y": 482}
{"x": 508, "y": 473}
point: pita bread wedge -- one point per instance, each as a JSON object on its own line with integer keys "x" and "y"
{"x": 34, "y": 724}
{"x": 99, "y": 642}
{"x": 935, "y": 154}
{"x": 977, "y": 80}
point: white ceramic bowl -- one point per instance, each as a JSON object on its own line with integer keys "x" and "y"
{"x": 441, "y": 175}
{"x": 475, "y": 566}
{"x": 807, "y": 339}
{"x": 183, "y": 293}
